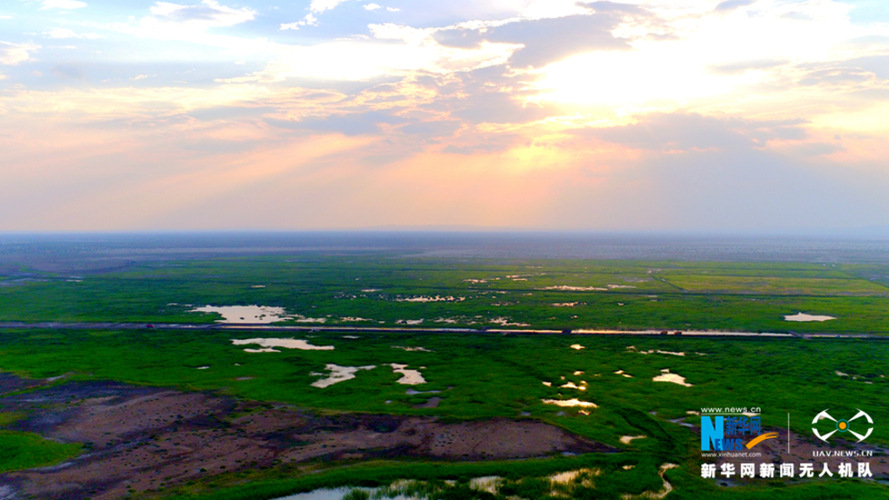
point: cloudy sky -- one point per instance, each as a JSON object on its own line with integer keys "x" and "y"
{"x": 739, "y": 115}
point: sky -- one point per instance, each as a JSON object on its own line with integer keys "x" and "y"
{"x": 643, "y": 115}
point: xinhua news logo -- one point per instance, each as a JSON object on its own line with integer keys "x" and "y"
{"x": 732, "y": 433}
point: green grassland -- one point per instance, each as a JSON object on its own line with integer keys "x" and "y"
{"x": 479, "y": 374}
{"x": 622, "y": 295}
{"x": 487, "y": 375}
{"x": 484, "y": 375}
{"x": 25, "y": 450}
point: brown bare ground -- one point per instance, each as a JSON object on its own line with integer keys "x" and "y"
{"x": 141, "y": 439}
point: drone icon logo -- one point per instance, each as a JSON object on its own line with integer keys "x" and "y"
{"x": 842, "y": 425}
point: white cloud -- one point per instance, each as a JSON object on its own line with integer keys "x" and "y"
{"x": 66, "y": 33}
{"x": 208, "y": 13}
{"x": 63, "y": 4}
{"x": 393, "y": 9}
{"x": 356, "y": 59}
{"x": 371, "y": 6}
{"x": 322, "y": 5}
{"x": 12, "y": 54}
{"x": 309, "y": 20}
{"x": 702, "y": 66}
{"x": 2, "y": 76}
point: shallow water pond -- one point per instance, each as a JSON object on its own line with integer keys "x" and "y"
{"x": 408, "y": 377}
{"x": 674, "y": 378}
{"x": 568, "y": 403}
{"x": 338, "y": 374}
{"x": 269, "y": 344}
{"x": 245, "y": 314}
{"x": 806, "y": 317}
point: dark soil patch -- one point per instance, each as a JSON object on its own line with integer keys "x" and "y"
{"x": 141, "y": 439}
{"x": 11, "y": 383}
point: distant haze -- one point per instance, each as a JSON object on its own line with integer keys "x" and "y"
{"x": 73, "y": 253}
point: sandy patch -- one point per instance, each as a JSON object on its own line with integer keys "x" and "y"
{"x": 565, "y": 304}
{"x": 621, "y": 372}
{"x": 577, "y": 347}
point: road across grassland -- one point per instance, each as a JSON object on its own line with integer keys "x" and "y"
{"x": 54, "y": 325}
